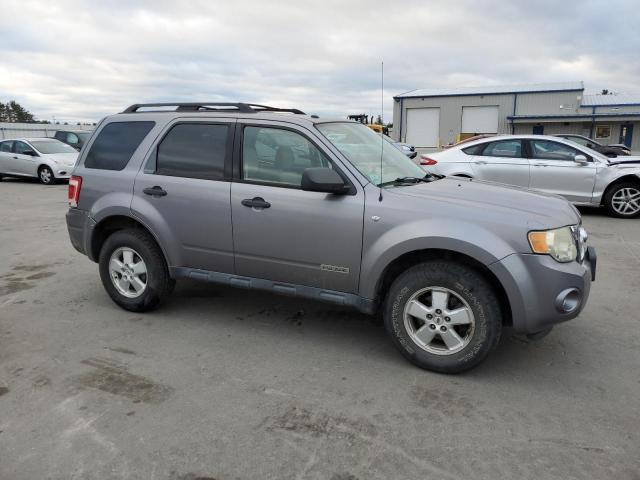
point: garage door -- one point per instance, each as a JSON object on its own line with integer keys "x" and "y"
{"x": 423, "y": 127}
{"x": 480, "y": 119}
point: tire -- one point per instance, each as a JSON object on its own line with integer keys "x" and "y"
{"x": 615, "y": 200}
{"x": 46, "y": 176}
{"x": 468, "y": 296}
{"x": 157, "y": 282}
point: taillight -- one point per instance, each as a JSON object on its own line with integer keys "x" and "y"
{"x": 424, "y": 160}
{"x": 75, "y": 183}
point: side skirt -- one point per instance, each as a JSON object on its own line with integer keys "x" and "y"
{"x": 361, "y": 304}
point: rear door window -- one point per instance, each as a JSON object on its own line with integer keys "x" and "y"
{"x": 115, "y": 145}
{"x": 6, "y": 146}
{"x": 193, "y": 150}
{"x": 504, "y": 148}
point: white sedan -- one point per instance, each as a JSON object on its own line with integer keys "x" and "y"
{"x": 45, "y": 158}
{"x": 549, "y": 164}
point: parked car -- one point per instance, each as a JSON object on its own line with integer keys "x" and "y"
{"x": 331, "y": 214}
{"x": 408, "y": 150}
{"x": 549, "y": 164}
{"x": 75, "y": 139}
{"x": 45, "y": 158}
{"x": 614, "y": 150}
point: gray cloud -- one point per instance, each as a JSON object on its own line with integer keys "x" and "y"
{"x": 81, "y": 60}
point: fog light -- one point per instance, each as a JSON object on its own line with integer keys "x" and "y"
{"x": 568, "y": 300}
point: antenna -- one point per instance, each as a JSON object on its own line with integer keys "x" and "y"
{"x": 382, "y": 120}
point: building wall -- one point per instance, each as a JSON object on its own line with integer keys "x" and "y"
{"x": 451, "y": 113}
{"x": 32, "y": 130}
{"x": 548, "y": 103}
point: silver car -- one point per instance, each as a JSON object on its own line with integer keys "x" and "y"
{"x": 549, "y": 164}
{"x": 253, "y": 197}
{"x": 44, "y": 158}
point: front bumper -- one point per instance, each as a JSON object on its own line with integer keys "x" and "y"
{"x": 62, "y": 171}
{"x": 535, "y": 285}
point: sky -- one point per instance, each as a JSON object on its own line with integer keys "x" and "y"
{"x": 82, "y": 60}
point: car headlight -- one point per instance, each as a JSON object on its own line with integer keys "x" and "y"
{"x": 560, "y": 243}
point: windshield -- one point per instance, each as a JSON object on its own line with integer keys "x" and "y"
{"x": 51, "y": 146}
{"x": 362, "y": 147}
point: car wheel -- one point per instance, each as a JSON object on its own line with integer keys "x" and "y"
{"x": 45, "y": 174}
{"x": 133, "y": 270}
{"x": 623, "y": 200}
{"x": 443, "y": 316}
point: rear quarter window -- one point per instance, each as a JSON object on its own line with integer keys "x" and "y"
{"x": 474, "y": 149}
{"x": 115, "y": 145}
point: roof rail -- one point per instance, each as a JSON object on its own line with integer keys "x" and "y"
{"x": 210, "y": 106}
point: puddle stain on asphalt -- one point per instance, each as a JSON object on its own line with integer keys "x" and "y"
{"x": 4, "y": 390}
{"x": 126, "y": 351}
{"x": 112, "y": 377}
{"x": 21, "y": 278}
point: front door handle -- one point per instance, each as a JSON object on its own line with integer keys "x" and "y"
{"x": 255, "y": 202}
{"x": 540, "y": 165}
{"x": 156, "y": 191}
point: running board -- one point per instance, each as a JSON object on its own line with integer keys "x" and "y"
{"x": 363, "y": 305}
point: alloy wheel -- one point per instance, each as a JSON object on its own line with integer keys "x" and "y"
{"x": 128, "y": 272}
{"x": 626, "y": 201}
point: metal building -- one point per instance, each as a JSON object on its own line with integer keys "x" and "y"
{"x": 430, "y": 118}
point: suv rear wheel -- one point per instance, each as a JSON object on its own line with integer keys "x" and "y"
{"x": 443, "y": 316}
{"x": 133, "y": 270}
{"x": 623, "y": 200}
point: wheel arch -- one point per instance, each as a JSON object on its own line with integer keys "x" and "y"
{"x": 111, "y": 224}
{"x": 631, "y": 177}
{"x": 411, "y": 258}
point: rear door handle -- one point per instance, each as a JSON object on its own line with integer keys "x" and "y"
{"x": 481, "y": 162}
{"x": 156, "y": 191}
{"x": 256, "y": 202}
{"x": 540, "y": 165}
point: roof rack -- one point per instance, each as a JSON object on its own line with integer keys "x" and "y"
{"x": 210, "y": 106}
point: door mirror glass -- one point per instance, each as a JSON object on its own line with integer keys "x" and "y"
{"x": 580, "y": 159}
{"x": 325, "y": 180}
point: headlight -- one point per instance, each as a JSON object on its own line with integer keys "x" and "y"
{"x": 560, "y": 243}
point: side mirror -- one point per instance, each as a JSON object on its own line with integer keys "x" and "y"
{"x": 581, "y": 159}
{"x": 320, "y": 179}
{"x": 31, "y": 153}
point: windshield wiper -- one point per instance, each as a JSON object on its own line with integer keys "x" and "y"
{"x": 409, "y": 180}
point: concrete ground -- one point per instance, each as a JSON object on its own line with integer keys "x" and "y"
{"x": 225, "y": 384}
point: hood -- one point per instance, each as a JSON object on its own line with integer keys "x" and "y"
{"x": 632, "y": 159}
{"x": 66, "y": 159}
{"x": 512, "y": 204}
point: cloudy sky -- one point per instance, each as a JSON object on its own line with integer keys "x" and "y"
{"x": 81, "y": 60}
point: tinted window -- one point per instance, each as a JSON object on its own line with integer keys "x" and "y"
{"x": 474, "y": 149}
{"x": 21, "y": 147}
{"x": 274, "y": 155}
{"x": 194, "y": 151}
{"x": 115, "y": 144}
{"x": 504, "y": 148}
{"x": 6, "y": 146}
{"x": 548, "y": 150}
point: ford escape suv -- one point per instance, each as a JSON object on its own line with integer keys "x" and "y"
{"x": 273, "y": 199}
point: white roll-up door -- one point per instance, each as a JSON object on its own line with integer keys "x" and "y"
{"x": 423, "y": 127}
{"x": 480, "y": 119}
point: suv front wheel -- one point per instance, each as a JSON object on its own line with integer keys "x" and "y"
{"x": 443, "y": 316}
{"x": 133, "y": 270}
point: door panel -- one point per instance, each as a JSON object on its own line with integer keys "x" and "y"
{"x": 193, "y": 215}
{"x": 24, "y": 164}
{"x": 306, "y": 238}
{"x": 502, "y": 162}
{"x": 553, "y": 170}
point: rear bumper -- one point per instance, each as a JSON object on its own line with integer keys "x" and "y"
{"x": 80, "y": 225}
{"x": 537, "y": 286}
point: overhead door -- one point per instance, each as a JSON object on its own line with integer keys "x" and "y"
{"x": 423, "y": 127}
{"x": 480, "y": 119}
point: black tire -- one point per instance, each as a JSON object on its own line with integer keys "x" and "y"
{"x": 46, "y": 176}
{"x": 608, "y": 200}
{"x": 159, "y": 284}
{"x": 469, "y": 285}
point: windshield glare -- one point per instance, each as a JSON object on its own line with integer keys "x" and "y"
{"x": 51, "y": 146}
{"x": 362, "y": 147}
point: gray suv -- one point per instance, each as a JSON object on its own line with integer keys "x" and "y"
{"x": 273, "y": 199}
